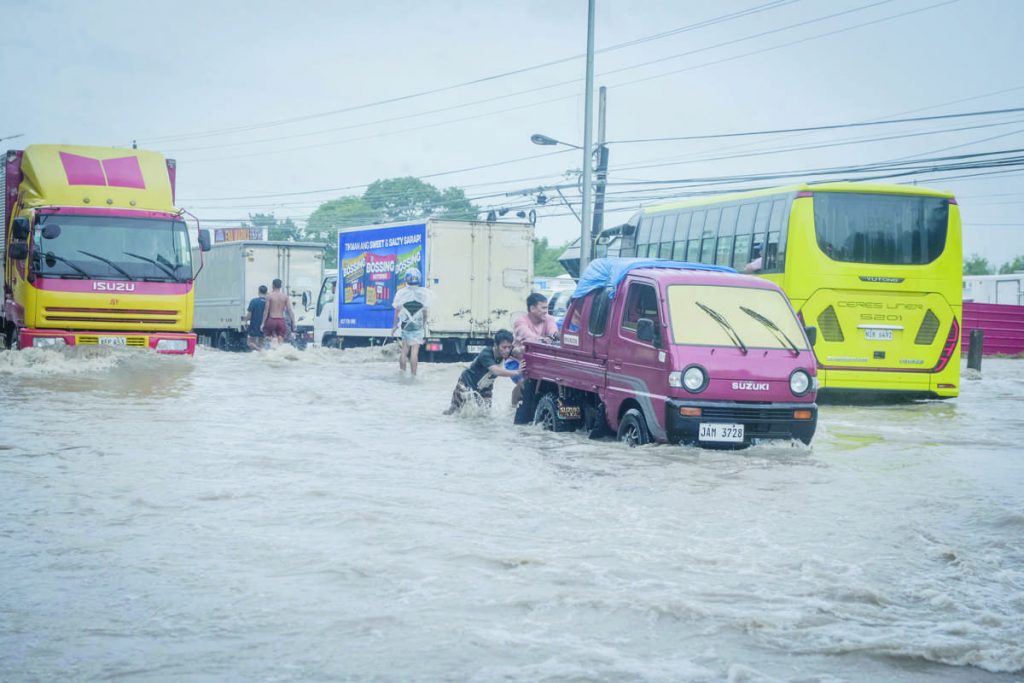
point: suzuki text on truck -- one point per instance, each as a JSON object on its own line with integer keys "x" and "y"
{"x": 94, "y": 252}
{"x": 678, "y": 353}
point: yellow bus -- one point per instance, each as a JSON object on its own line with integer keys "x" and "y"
{"x": 877, "y": 269}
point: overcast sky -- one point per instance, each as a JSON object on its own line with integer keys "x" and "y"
{"x": 275, "y": 106}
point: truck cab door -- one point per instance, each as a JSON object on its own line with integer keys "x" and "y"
{"x": 325, "y": 321}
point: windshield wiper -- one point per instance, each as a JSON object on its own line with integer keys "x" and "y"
{"x": 108, "y": 262}
{"x": 720, "y": 319}
{"x": 71, "y": 265}
{"x": 159, "y": 265}
{"x": 779, "y": 334}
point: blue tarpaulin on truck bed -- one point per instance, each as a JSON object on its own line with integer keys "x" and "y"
{"x": 609, "y": 272}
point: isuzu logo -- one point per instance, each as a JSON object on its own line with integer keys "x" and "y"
{"x": 750, "y": 386}
{"x": 113, "y": 286}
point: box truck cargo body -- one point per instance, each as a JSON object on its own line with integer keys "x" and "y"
{"x": 232, "y": 276}
{"x": 479, "y": 274}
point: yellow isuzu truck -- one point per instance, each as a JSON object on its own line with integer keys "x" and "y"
{"x": 94, "y": 252}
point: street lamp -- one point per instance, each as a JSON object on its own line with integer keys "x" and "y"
{"x": 539, "y": 139}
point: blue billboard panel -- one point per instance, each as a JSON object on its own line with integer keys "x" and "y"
{"x": 373, "y": 264}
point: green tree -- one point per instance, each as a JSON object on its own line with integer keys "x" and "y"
{"x": 545, "y": 258}
{"x": 977, "y": 265}
{"x": 284, "y": 230}
{"x": 1013, "y": 266}
{"x": 343, "y": 212}
{"x": 409, "y": 198}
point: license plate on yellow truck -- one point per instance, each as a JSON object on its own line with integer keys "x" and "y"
{"x": 114, "y": 341}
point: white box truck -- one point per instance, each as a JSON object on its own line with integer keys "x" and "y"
{"x": 232, "y": 275}
{"x": 479, "y": 273}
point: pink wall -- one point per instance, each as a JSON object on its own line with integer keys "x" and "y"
{"x": 1003, "y": 326}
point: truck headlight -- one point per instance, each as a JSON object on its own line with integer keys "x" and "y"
{"x": 695, "y": 379}
{"x": 799, "y": 382}
{"x": 172, "y": 345}
{"x": 47, "y": 342}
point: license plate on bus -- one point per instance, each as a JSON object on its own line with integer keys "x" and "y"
{"x": 713, "y": 431}
{"x": 114, "y": 341}
{"x": 878, "y": 335}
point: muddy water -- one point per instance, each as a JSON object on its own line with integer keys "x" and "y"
{"x": 312, "y": 516}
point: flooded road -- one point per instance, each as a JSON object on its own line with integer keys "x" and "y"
{"x": 299, "y": 516}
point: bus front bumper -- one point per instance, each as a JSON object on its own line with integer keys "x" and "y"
{"x": 172, "y": 343}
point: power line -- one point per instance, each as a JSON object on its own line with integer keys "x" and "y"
{"x": 476, "y": 81}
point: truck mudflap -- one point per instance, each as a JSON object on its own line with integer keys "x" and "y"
{"x": 171, "y": 343}
{"x": 725, "y": 423}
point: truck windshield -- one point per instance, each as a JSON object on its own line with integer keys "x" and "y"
{"x": 113, "y": 247}
{"x": 692, "y": 326}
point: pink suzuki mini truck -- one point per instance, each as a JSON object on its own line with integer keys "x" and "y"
{"x": 675, "y": 352}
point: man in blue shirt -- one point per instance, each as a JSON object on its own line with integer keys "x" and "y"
{"x": 254, "y": 316}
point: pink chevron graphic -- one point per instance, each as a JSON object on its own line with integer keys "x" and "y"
{"x": 120, "y": 172}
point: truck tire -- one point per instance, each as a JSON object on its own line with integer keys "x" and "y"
{"x": 633, "y": 429}
{"x": 546, "y": 415}
{"x": 224, "y": 341}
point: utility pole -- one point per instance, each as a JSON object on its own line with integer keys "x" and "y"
{"x": 602, "y": 166}
{"x": 588, "y": 138}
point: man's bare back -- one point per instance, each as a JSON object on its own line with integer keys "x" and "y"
{"x": 277, "y": 305}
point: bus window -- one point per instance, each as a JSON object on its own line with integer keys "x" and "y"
{"x": 724, "y": 256}
{"x": 668, "y": 233}
{"x": 879, "y": 228}
{"x": 696, "y": 230}
{"x": 643, "y": 235}
{"x": 682, "y": 230}
{"x": 709, "y": 235}
{"x": 741, "y": 251}
{"x": 745, "y": 226}
{"x": 728, "y": 224}
{"x": 655, "y": 239}
{"x": 775, "y": 251}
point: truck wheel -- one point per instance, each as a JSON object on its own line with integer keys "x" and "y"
{"x": 224, "y": 341}
{"x": 633, "y": 429}
{"x": 332, "y": 342}
{"x": 547, "y": 416}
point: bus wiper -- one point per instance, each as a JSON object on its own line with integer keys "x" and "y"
{"x": 779, "y": 334}
{"x": 720, "y": 319}
{"x": 108, "y": 262}
{"x": 71, "y": 265}
{"x": 159, "y": 265}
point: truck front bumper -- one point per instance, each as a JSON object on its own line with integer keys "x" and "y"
{"x": 175, "y": 343}
{"x": 759, "y": 420}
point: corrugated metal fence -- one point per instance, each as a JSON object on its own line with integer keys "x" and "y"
{"x": 1003, "y": 326}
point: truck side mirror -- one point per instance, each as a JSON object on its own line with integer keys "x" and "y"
{"x": 51, "y": 231}
{"x": 645, "y": 330}
{"x": 306, "y": 297}
{"x": 812, "y": 334}
{"x": 204, "y": 240}
{"x": 18, "y": 251}
{"x": 20, "y": 228}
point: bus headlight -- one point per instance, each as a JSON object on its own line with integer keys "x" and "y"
{"x": 47, "y": 342}
{"x": 695, "y": 380}
{"x": 799, "y": 382}
{"x": 172, "y": 345}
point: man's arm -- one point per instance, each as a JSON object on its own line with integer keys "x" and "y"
{"x": 500, "y": 371}
{"x": 266, "y": 312}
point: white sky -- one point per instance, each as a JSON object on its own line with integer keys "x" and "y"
{"x": 166, "y": 74}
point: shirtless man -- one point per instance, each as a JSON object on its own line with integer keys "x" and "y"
{"x": 274, "y": 312}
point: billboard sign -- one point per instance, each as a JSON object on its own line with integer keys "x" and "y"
{"x": 373, "y": 264}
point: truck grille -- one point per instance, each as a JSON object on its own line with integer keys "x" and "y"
{"x": 91, "y": 339}
{"x": 747, "y": 414}
{"x": 131, "y": 316}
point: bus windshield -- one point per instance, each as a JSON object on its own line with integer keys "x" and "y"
{"x": 880, "y": 228}
{"x": 113, "y": 247}
{"x": 761, "y": 318}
